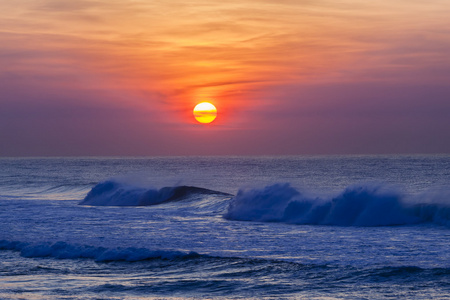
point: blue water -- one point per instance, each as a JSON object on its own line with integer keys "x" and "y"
{"x": 337, "y": 227}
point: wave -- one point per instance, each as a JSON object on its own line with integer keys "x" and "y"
{"x": 363, "y": 205}
{"x": 112, "y": 193}
{"x": 45, "y": 191}
{"x": 231, "y": 268}
{"x": 144, "y": 273}
{"x": 63, "y": 250}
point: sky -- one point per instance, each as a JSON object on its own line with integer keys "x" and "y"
{"x": 288, "y": 77}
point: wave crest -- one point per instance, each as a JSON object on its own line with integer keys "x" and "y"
{"x": 362, "y": 205}
{"x": 112, "y": 193}
{"x": 62, "y": 250}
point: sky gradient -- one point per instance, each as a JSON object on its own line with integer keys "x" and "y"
{"x": 109, "y": 77}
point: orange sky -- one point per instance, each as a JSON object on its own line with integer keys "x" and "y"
{"x": 278, "y": 72}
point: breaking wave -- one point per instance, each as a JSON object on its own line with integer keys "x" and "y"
{"x": 363, "y": 205}
{"x": 112, "y": 193}
{"x": 62, "y": 250}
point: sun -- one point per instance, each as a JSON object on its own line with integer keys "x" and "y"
{"x": 205, "y": 112}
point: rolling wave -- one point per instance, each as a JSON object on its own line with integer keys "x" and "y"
{"x": 356, "y": 206}
{"x": 63, "y": 250}
{"x": 112, "y": 193}
{"x": 65, "y": 191}
{"x": 144, "y": 273}
{"x": 230, "y": 268}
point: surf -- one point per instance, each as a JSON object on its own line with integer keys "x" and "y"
{"x": 114, "y": 193}
{"x": 358, "y": 205}
{"x": 63, "y": 250}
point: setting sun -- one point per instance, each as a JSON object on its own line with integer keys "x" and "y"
{"x": 205, "y": 112}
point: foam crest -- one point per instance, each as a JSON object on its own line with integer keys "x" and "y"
{"x": 266, "y": 204}
{"x": 363, "y": 205}
{"x": 112, "y": 193}
{"x": 62, "y": 250}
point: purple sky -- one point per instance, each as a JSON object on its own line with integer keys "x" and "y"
{"x": 292, "y": 77}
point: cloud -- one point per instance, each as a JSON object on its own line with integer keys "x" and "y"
{"x": 65, "y": 6}
{"x": 288, "y": 75}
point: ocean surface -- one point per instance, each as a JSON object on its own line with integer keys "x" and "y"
{"x": 293, "y": 227}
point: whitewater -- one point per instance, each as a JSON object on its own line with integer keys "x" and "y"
{"x": 291, "y": 227}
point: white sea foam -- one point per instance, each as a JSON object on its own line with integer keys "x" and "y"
{"x": 361, "y": 205}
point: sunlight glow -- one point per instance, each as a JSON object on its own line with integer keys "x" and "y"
{"x": 205, "y": 112}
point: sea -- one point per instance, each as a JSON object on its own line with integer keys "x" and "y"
{"x": 231, "y": 227}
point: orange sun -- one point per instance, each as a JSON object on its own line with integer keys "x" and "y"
{"x": 205, "y": 112}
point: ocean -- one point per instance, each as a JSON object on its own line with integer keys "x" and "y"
{"x": 285, "y": 227}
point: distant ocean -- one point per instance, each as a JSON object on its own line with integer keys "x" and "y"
{"x": 325, "y": 227}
